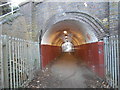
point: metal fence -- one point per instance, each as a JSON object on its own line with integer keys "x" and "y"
{"x": 19, "y": 59}
{"x": 112, "y": 60}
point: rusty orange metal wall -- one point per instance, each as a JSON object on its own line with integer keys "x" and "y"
{"x": 49, "y": 53}
{"x": 93, "y": 55}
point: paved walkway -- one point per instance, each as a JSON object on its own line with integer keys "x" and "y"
{"x": 71, "y": 72}
{"x": 66, "y": 72}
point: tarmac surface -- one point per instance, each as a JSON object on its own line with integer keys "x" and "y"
{"x": 67, "y": 72}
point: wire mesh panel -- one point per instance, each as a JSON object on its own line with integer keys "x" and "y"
{"x": 112, "y": 60}
{"x": 22, "y": 61}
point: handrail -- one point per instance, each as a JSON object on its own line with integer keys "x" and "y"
{"x": 5, "y": 4}
{"x": 11, "y": 12}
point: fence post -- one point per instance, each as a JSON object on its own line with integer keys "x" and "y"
{"x": 1, "y": 63}
{"x": 118, "y": 62}
{"x": 5, "y": 61}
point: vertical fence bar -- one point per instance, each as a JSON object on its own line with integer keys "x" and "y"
{"x": 111, "y": 62}
{"x": 13, "y": 60}
{"x": 16, "y": 54}
{"x": 1, "y": 64}
{"x": 20, "y": 60}
{"x": 108, "y": 76}
{"x": 118, "y": 63}
{"x": 26, "y": 71}
{"x": 115, "y": 72}
{"x": 30, "y": 60}
{"x": 112, "y": 54}
{"x": 10, "y": 58}
{"x": 23, "y": 63}
{"x": 105, "y": 57}
{"x": 27, "y": 59}
{"x": 108, "y": 60}
{"x": 114, "y": 60}
{"x": 19, "y": 63}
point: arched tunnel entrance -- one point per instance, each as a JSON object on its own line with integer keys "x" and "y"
{"x": 73, "y": 37}
{"x": 70, "y": 44}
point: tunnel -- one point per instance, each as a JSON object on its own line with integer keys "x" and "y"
{"x": 71, "y": 41}
{"x": 69, "y": 38}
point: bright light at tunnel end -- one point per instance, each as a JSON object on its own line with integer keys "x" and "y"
{"x": 65, "y": 32}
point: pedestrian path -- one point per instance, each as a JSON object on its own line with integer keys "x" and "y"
{"x": 67, "y": 72}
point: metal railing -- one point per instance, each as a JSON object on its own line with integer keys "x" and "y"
{"x": 20, "y": 61}
{"x": 112, "y": 60}
{"x": 9, "y": 9}
{"x": 1, "y": 65}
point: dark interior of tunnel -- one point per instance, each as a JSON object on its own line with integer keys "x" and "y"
{"x": 70, "y": 38}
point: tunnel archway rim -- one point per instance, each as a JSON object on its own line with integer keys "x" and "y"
{"x": 62, "y": 16}
{"x": 54, "y": 21}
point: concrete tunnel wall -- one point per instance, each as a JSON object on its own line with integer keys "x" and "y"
{"x": 89, "y": 50}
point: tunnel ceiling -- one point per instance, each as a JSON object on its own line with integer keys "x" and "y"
{"x": 71, "y": 30}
